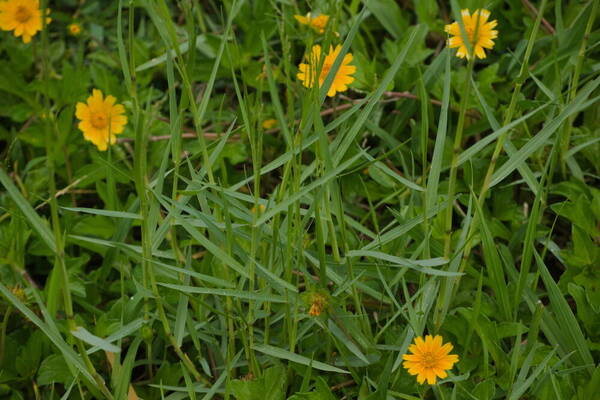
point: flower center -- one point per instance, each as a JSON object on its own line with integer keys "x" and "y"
{"x": 470, "y": 28}
{"x": 99, "y": 120}
{"x": 22, "y": 14}
{"x": 429, "y": 360}
{"x": 318, "y": 304}
{"x": 470, "y": 33}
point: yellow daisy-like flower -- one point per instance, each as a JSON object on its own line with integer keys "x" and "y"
{"x": 430, "y": 359}
{"x": 24, "y": 17}
{"x": 318, "y": 301}
{"x": 480, "y": 33}
{"x": 342, "y": 79}
{"x": 318, "y": 23}
{"x": 74, "y": 29}
{"x": 101, "y": 119}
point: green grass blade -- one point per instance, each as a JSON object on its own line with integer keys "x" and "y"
{"x": 36, "y": 222}
{"x": 566, "y": 319}
{"x": 539, "y": 140}
{"x": 287, "y": 355}
{"x": 493, "y": 264}
{"x": 124, "y": 378}
{"x": 66, "y": 350}
{"x": 343, "y": 142}
{"x": 440, "y": 139}
{"x": 240, "y": 294}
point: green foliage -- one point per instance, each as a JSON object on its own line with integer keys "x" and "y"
{"x": 270, "y": 386}
{"x": 206, "y": 256}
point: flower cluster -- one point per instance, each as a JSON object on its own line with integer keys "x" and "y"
{"x": 430, "y": 358}
{"x": 101, "y": 119}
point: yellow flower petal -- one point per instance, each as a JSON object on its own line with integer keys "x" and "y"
{"x": 82, "y": 111}
{"x": 110, "y": 100}
{"x": 315, "y": 71}
{"x": 302, "y": 19}
{"x": 479, "y": 52}
{"x": 318, "y": 23}
{"x": 441, "y": 373}
{"x": 447, "y": 348}
{"x": 431, "y": 378}
{"x": 420, "y": 343}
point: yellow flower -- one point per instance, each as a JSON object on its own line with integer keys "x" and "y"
{"x": 101, "y": 118}
{"x": 318, "y": 23}
{"x": 318, "y": 303}
{"x": 74, "y": 29}
{"x": 19, "y": 293}
{"x": 22, "y": 16}
{"x": 269, "y": 123}
{"x": 480, "y": 33}
{"x": 429, "y": 359}
{"x": 342, "y": 78}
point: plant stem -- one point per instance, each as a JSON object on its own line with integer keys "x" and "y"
{"x": 140, "y": 166}
{"x": 455, "y": 153}
{"x": 59, "y": 258}
{"x": 7, "y": 314}
{"x": 568, "y": 127}
{"x": 523, "y": 73}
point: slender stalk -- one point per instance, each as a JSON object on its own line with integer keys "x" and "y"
{"x": 456, "y": 149}
{"x": 5, "y": 319}
{"x": 293, "y": 220}
{"x": 568, "y": 127}
{"x": 320, "y": 242}
{"x": 111, "y": 186}
{"x": 423, "y": 99}
{"x": 140, "y": 167}
{"x": 59, "y": 258}
{"x": 255, "y": 137}
{"x": 523, "y": 73}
